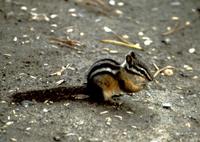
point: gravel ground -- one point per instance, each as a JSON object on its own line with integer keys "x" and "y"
{"x": 168, "y": 110}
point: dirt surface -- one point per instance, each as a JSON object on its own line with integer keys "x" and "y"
{"x": 168, "y": 110}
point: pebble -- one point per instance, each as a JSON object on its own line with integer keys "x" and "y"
{"x": 140, "y": 33}
{"x": 191, "y": 50}
{"x": 70, "y": 30}
{"x": 167, "y": 105}
{"x": 52, "y": 16}
{"x": 24, "y": 8}
{"x": 125, "y": 36}
{"x": 108, "y": 121}
{"x": 54, "y": 25}
{"x": 104, "y": 112}
{"x": 120, "y": 4}
{"x": 57, "y": 138}
{"x": 13, "y": 139}
{"x": 15, "y": 38}
{"x": 175, "y": 18}
{"x": 9, "y": 123}
{"x": 107, "y": 29}
{"x": 114, "y": 51}
{"x": 166, "y": 41}
{"x": 74, "y": 15}
{"x": 60, "y": 82}
{"x": 119, "y": 117}
{"x": 26, "y": 103}
{"x": 187, "y": 23}
{"x": 188, "y": 68}
{"x": 118, "y": 11}
{"x": 45, "y": 110}
{"x": 168, "y": 72}
{"x": 72, "y": 10}
{"x": 147, "y": 42}
{"x": 33, "y": 9}
{"x": 195, "y": 77}
{"x": 112, "y": 2}
{"x": 82, "y": 34}
{"x": 175, "y": 3}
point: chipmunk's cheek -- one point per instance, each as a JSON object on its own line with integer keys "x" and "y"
{"x": 140, "y": 80}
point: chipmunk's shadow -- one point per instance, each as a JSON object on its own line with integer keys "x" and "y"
{"x": 136, "y": 113}
{"x": 58, "y": 94}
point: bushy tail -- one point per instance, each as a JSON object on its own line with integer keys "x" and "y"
{"x": 50, "y": 94}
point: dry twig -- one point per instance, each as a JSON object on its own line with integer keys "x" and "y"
{"x": 131, "y": 45}
{"x": 177, "y": 28}
{"x": 161, "y": 70}
{"x": 65, "y": 42}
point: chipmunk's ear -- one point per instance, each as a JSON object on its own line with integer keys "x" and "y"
{"x": 133, "y": 55}
{"x": 129, "y": 59}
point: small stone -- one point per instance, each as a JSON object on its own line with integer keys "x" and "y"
{"x": 7, "y": 55}
{"x": 140, "y": 33}
{"x": 187, "y": 23}
{"x": 70, "y": 30}
{"x": 166, "y": 41}
{"x": 114, "y": 51}
{"x": 112, "y": 2}
{"x": 57, "y": 138}
{"x": 66, "y": 104}
{"x": 129, "y": 112}
{"x": 33, "y": 9}
{"x": 154, "y": 28}
{"x": 175, "y": 18}
{"x": 54, "y": 25}
{"x": 169, "y": 28}
{"x": 108, "y": 121}
{"x": 15, "y": 38}
{"x": 188, "y": 68}
{"x": 168, "y": 72}
{"x": 125, "y": 36}
{"x": 26, "y": 103}
{"x": 45, "y": 110}
{"x": 74, "y": 15}
{"x": 9, "y": 123}
{"x": 107, "y": 29}
{"x": 13, "y": 139}
{"x": 175, "y": 3}
{"x": 117, "y": 11}
{"x": 148, "y": 42}
{"x": 60, "y": 82}
{"x": 124, "y": 133}
{"x": 188, "y": 124}
{"x": 119, "y": 117}
{"x": 195, "y": 77}
{"x": 103, "y": 112}
{"x": 28, "y": 128}
{"x": 24, "y": 8}
{"x": 191, "y": 50}
{"x": 134, "y": 127}
{"x": 120, "y": 4}
{"x": 72, "y": 10}
{"x": 82, "y": 34}
{"x": 52, "y": 16}
{"x": 167, "y": 105}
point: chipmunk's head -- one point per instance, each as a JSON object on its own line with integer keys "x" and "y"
{"x": 135, "y": 66}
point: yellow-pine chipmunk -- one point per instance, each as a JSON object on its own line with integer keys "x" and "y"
{"x": 106, "y": 78}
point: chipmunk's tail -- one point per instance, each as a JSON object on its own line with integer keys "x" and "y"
{"x": 50, "y": 94}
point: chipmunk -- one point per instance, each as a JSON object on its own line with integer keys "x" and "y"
{"x": 106, "y": 78}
